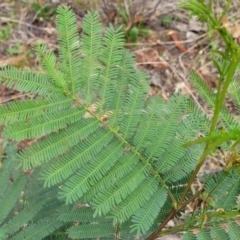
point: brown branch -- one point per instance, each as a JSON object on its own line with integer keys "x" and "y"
{"x": 163, "y": 224}
{"x": 155, "y": 234}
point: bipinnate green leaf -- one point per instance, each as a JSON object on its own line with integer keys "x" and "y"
{"x": 97, "y": 137}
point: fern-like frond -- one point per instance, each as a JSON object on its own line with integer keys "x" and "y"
{"x": 39, "y": 230}
{"x": 203, "y": 234}
{"x": 133, "y": 104}
{"x": 10, "y": 197}
{"x": 2, "y": 234}
{"x": 22, "y": 110}
{"x": 144, "y": 217}
{"x": 42, "y": 125}
{"x": 90, "y": 174}
{"x": 58, "y": 171}
{"x": 228, "y": 120}
{"x": 125, "y": 165}
{"x": 111, "y": 56}
{"x": 170, "y": 156}
{"x": 27, "y": 214}
{"x": 224, "y": 188}
{"x": 220, "y": 214}
{"x": 4, "y": 179}
{"x": 23, "y": 203}
{"x": 77, "y": 214}
{"x": 207, "y": 94}
{"x": 49, "y": 64}
{"x": 183, "y": 160}
{"x": 124, "y": 73}
{"x": 166, "y": 209}
{"x": 90, "y": 64}
{"x": 27, "y": 81}
{"x": 100, "y": 140}
{"x": 69, "y": 50}
{"x": 56, "y": 143}
{"x": 94, "y": 230}
{"x": 233, "y": 230}
{"x": 189, "y": 236}
{"x": 235, "y": 91}
{"x": 168, "y": 128}
{"x": 138, "y": 199}
{"x": 203, "y": 89}
{"x": 111, "y": 197}
{"x": 218, "y": 233}
{"x": 185, "y": 165}
{"x": 149, "y": 121}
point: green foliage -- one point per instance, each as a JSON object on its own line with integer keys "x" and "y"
{"x": 14, "y": 50}
{"x": 167, "y": 20}
{"x": 107, "y": 161}
{"x": 132, "y": 28}
{"x": 23, "y": 202}
{"x": 45, "y": 12}
{"x": 5, "y": 32}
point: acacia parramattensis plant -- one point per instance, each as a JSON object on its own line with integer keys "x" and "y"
{"x": 107, "y": 161}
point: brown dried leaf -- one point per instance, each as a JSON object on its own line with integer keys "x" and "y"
{"x": 180, "y": 46}
{"x": 233, "y": 29}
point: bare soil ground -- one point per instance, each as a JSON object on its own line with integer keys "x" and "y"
{"x": 174, "y": 45}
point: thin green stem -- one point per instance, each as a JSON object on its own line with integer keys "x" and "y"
{"x": 207, "y": 150}
{"x": 218, "y": 106}
{"x": 210, "y": 147}
{"x": 222, "y": 93}
{"x": 185, "y": 225}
